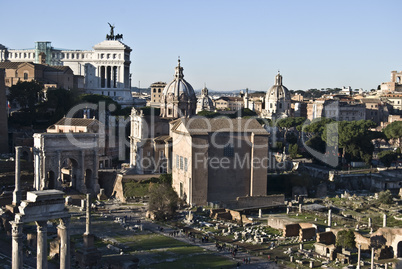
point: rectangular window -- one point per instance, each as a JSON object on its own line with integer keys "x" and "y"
{"x": 181, "y": 163}
{"x": 177, "y": 161}
{"x": 185, "y": 165}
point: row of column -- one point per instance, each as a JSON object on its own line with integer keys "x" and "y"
{"x": 41, "y": 249}
{"x": 109, "y": 76}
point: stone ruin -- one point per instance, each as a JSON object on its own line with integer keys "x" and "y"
{"x": 40, "y": 207}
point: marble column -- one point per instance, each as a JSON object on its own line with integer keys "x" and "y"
{"x": 369, "y": 223}
{"x": 372, "y": 258}
{"x": 330, "y": 218}
{"x": 17, "y": 245}
{"x": 17, "y": 189}
{"x": 58, "y": 179}
{"x": 384, "y": 221}
{"x": 41, "y": 247}
{"x": 88, "y": 214}
{"x": 64, "y": 234}
{"x": 358, "y": 257}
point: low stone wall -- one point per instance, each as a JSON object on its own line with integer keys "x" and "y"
{"x": 260, "y": 201}
{"x": 278, "y": 222}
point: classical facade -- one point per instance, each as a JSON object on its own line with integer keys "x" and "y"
{"x": 106, "y": 68}
{"x": 204, "y": 102}
{"x": 216, "y": 160}
{"x": 178, "y": 98}
{"x": 277, "y": 100}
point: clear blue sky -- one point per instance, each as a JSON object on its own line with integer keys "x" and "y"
{"x": 227, "y": 44}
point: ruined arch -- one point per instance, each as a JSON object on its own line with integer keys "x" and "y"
{"x": 67, "y": 160}
{"x": 69, "y": 173}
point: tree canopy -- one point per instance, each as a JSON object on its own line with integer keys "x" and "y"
{"x": 163, "y": 200}
{"x": 354, "y": 137}
{"x": 346, "y": 239}
{"x": 387, "y": 157}
{"x": 394, "y": 131}
{"x": 26, "y": 94}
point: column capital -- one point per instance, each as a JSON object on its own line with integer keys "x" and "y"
{"x": 41, "y": 225}
{"x": 16, "y": 228}
{"x": 64, "y": 223}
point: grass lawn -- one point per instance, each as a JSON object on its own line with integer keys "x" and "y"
{"x": 149, "y": 242}
{"x": 135, "y": 189}
{"x": 196, "y": 261}
{"x": 166, "y": 252}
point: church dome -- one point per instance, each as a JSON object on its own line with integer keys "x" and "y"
{"x": 179, "y": 87}
{"x": 204, "y": 102}
{"x": 178, "y": 99}
{"x": 278, "y": 91}
{"x": 277, "y": 100}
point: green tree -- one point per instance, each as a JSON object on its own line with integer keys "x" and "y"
{"x": 293, "y": 149}
{"x": 61, "y": 101}
{"x": 394, "y": 131}
{"x": 208, "y": 114}
{"x": 353, "y": 137}
{"x": 290, "y": 122}
{"x": 26, "y": 94}
{"x": 163, "y": 201}
{"x": 387, "y": 157}
{"x": 385, "y": 197}
{"x": 316, "y": 126}
{"x": 97, "y": 98}
{"x": 165, "y": 178}
{"x": 346, "y": 239}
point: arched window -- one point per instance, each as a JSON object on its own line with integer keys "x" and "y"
{"x": 26, "y": 75}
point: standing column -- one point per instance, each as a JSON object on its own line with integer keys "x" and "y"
{"x": 384, "y": 221}
{"x": 358, "y": 257}
{"x": 17, "y": 255}
{"x": 41, "y": 247}
{"x": 42, "y": 184}
{"x": 88, "y": 213}
{"x": 17, "y": 189}
{"x": 372, "y": 258}
{"x": 59, "y": 181}
{"x": 64, "y": 233}
{"x": 329, "y": 218}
